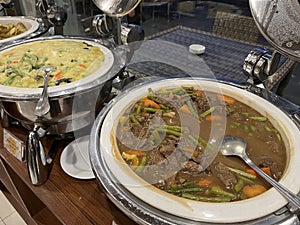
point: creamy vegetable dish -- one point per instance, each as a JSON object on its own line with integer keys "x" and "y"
{"x": 73, "y": 60}
{"x": 175, "y": 150}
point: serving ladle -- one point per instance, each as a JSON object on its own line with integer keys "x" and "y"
{"x": 42, "y": 107}
{"x": 236, "y": 146}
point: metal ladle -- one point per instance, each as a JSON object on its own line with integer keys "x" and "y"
{"x": 42, "y": 107}
{"x": 235, "y": 146}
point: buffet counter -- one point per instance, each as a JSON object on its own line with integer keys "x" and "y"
{"x": 61, "y": 200}
{"x": 65, "y": 200}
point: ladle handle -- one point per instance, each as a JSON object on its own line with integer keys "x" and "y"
{"x": 294, "y": 199}
{"x": 36, "y": 159}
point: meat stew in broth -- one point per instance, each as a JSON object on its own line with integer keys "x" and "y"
{"x": 158, "y": 144}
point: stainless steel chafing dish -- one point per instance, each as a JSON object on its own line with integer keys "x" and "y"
{"x": 73, "y": 106}
{"x": 147, "y": 207}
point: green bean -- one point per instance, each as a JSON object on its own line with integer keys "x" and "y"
{"x": 249, "y": 181}
{"x": 253, "y": 128}
{"x": 278, "y": 136}
{"x": 168, "y": 131}
{"x": 18, "y": 72}
{"x": 198, "y": 143}
{"x": 176, "y": 128}
{"x": 207, "y": 112}
{"x": 133, "y": 119}
{"x": 267, "y": 128}
{"x": 150, "y": 110}
{"x": 243, "y": 196}
{"x": 162, "y": 106}
{"x": 205, "y": 143}
{"x": 138, "y": 109}
{"x": 188, "y": 183}
{"x": 239, "y": 185}
{"x": 156, "y": 137}
{"x": 259, "y": 118}
{"x": 246, "y": 128}
{"x": 188, "y": 88}
{"x": 218, "y": 191}
{"x": 151, "y": 94}
{"x": 10, "y": 79}
{"x": 184, "y": 190}
{"x": 205, "y": 199}
{"x": 192, "y": 109}
{"x": 174, "y": 186}
{"x": 235, "y": 124}
{"x": 141, "y": 167}
{"x": 30, "y": 58}
{"x": 169, "y": 127}
{"x": 171, "y": 90}
{"x": 242, "y": 173}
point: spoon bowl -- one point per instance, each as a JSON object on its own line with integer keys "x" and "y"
{"x": 236, "y": 146}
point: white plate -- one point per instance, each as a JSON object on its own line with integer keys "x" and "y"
{"x": 203, "y": 211}
{"x": 30, "y": 24}
{"x": 75, "y": 161}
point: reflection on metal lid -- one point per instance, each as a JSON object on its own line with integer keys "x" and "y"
{"x": 279, "y": 22}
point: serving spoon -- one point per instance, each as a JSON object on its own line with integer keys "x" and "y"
{"x": 42, "y": 107}
{"x": 236, "y": 146}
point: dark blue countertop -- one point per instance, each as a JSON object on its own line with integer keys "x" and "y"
{"x": 225, "y": 57}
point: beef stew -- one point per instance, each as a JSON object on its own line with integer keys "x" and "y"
{"x": 164, "y": 138}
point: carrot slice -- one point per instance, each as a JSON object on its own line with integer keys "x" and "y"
{"x": 251, "y": 171}
{"x": 226, "y": 99}
{"x": 205, "y": 182}
{"x": 82, "y": 65}
{"x": 198, "y": 93}
{"x": 213, "y": 117}
{"x": 150, "y": 103}
{"x": 135, "y": 152}
{"x": 267, "y": 170}
{"x": 253, "y": 190}
{"x": 58, "y": 75}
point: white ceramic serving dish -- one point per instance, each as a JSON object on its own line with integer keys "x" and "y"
{"x": 239, "y": 211}
{"x": 31, "y": 25}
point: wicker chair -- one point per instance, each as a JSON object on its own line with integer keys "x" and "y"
{"x": 237, "y": 27}
{"x": 186, "y": 8}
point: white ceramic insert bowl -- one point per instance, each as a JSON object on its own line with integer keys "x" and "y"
{"x": 239, "y": 211}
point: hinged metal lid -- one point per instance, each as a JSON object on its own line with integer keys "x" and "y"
{"x": 279, "y": 23}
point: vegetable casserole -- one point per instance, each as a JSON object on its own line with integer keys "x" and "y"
{"x": 74, "y": 60}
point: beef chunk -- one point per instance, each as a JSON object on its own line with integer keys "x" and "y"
{"x": 167, "y": 149}
{"x": 265, "y": 161}
{"x": 192, "y": 167}
{"x": 225, "y": 175}
{"x": 155, "y": 157}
